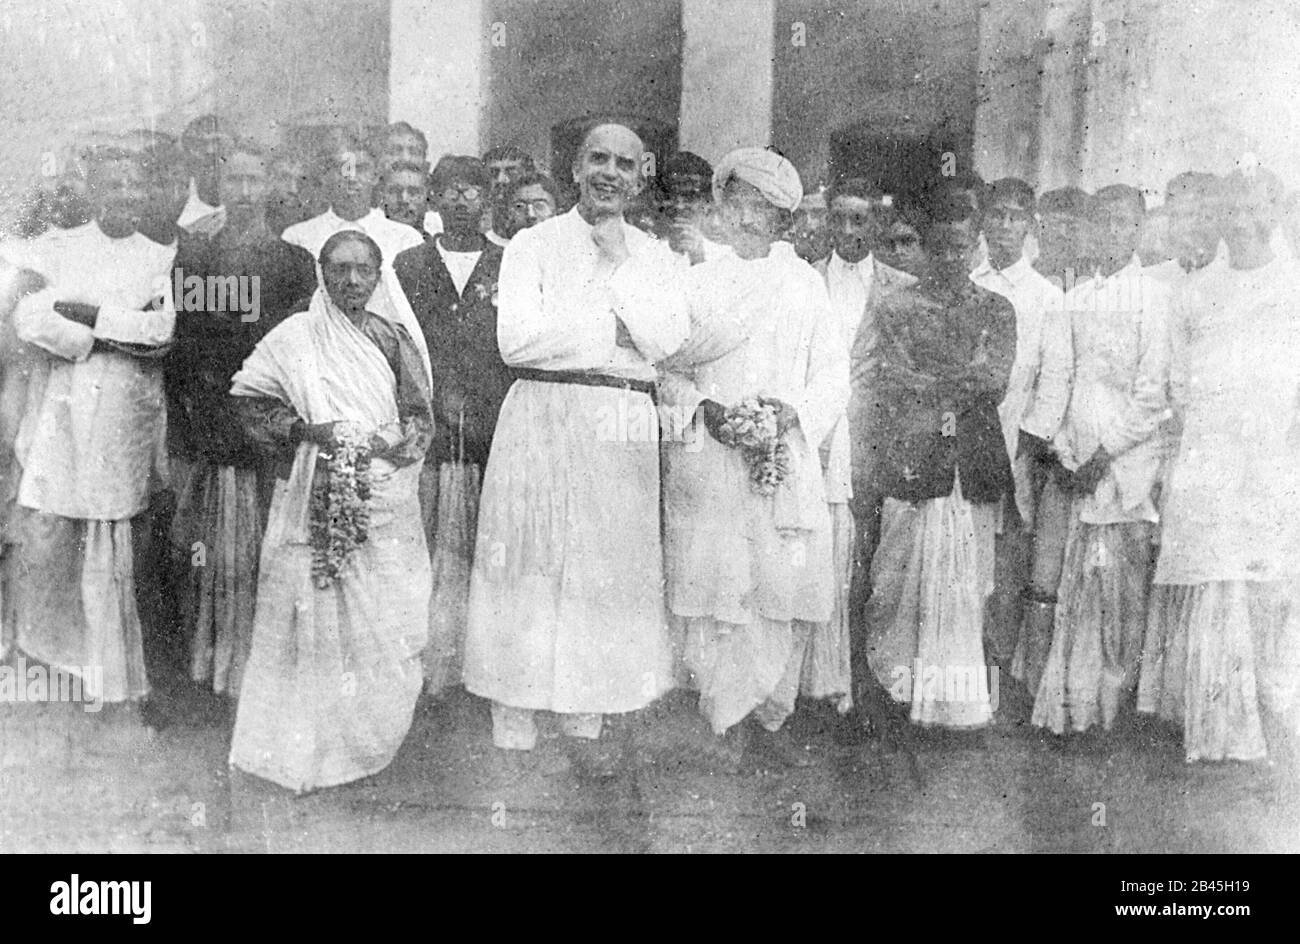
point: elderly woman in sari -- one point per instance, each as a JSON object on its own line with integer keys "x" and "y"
{"x": 926, "y": 434}
{"x": 334, "y": 672}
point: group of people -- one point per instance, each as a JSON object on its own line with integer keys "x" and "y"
{"x": 365, "y": 431}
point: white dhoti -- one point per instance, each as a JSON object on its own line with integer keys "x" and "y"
{"x": 76, "y": 601}
{"x": 739, "y": 668}
{"x": 566, "y": 609}
{"x": 931, "y": 576}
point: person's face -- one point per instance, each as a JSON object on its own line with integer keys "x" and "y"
{"x": 854, "y": 227}
{"x": 350, "y": 275}
{"x": 687, "y": 197}
{"x": 1195, "y": 229}
{"x": 167, "y": 187}
{"x": 750, "y": 220}
{"x": 351, "y": 179}
{"x": 118, "y": 195}
{"x": 953, "y": 250}
{"x": 460, "y": 203}
{"x": 404, "y": 148}
{"x": 1154, "y": 247}
{"x": 287, "y": 178}
{"x": 1061, "y": 241}
{"x": 503, "y": 173}
{"x": 1005, "y": 223}
{"x": 528, "y": 207}
{"x": 1117, "y": 228}
{"x": 900, "y": 247}
{"x": 608, "y": 171}
{"x": 244, "y": 184}
{"x": 69, "y": 204}
{"x": 203, "y": 152}
{"x": 406, "y": 197}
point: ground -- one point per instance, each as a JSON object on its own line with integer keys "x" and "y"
{"x": 83, "y": 782}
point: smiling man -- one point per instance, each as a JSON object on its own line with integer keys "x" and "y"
{"x": 751, "y": 579}
{"x": 566, "y": 609}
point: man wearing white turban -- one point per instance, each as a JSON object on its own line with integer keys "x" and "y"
{"x": 749, "y": 566}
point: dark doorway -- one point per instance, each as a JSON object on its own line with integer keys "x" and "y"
{"x": 898, "y": 162}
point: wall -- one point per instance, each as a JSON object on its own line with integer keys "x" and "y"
{"x": 1135, "y": 91}
{"x": 76, "y": 69}
{"x": 907, "y": 68}
{"x": 564, "y": 58}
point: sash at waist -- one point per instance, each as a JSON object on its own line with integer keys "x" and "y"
{"x": 583, "y": 378}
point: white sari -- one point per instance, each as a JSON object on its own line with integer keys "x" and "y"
{"x": 333, "y": 676}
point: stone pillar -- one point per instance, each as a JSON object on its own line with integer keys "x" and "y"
{"x": 438, "y": 71}
{"x": 726, "y": 75}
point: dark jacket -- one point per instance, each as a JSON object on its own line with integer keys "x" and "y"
{"x": 213, "y": 336}
{"x": 460, "y": 330}
{"x": 925, "y": 397}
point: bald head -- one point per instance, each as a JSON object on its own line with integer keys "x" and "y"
{"x": 611, "y": 134}
{"x": 607, "y": 170}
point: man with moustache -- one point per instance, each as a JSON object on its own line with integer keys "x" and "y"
{"x": 752, "y": 577}
{"x": 222, "y": 487}
{"x": 89, "y": 444}
{"x": 566, "y": 610}
{"x": 404, "y": 194}
{"x": 1037, "y": 394}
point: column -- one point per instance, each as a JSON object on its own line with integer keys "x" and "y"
{"x": 726, "y": 75}
{"x": 436, "y": 71}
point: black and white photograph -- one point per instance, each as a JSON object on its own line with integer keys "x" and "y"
{"x": 651, "y": 426}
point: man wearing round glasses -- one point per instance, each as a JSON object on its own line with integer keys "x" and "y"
{"x": 530, "y": 200}
{"x": 450, "y": 282}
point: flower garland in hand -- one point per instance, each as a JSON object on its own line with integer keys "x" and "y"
{"x": 340, "y": 505}
{"x": 752, "y": 427}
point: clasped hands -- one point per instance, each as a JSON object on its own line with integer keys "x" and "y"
{"x": 714, "y": 416}
{"x": 325, "y": 435}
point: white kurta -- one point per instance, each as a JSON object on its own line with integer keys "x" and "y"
{"x": 851, "y": 287}
{"x": 753, "y": 577}
{"x": 1222, "y": 645}
{"x": 89, "y": 445}
{"x": 90, "y": 441}
{"x": 733, "y": 554}
{"x": 566, "y": 607}
{"x": 1039, "y": 388}
{"x": 199, "y": 216}
{"x": 1120, "y": 331}
{"x": 388, "y": 301}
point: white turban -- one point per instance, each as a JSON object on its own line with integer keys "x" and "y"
{"x": 773, "y": 176}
